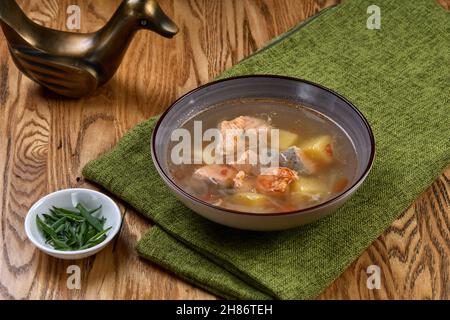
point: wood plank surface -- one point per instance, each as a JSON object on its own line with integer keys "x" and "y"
{"x": 46, "y": 140}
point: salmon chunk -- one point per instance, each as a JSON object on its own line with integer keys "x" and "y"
{"x": 239, "y": 179}
{"x": 218, "y": 174}
{"x": 295, "y": 159}
{"x": 275, "y": 181}
{"x": 244, "y": 182}
{"x": 243, "y": 123}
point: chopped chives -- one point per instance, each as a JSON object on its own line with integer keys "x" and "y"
{"x": 71, "y": 230}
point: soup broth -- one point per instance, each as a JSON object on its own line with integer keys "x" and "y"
{"x": 316, "y": 158}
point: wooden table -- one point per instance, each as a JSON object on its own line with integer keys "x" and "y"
{"x": 45, "y": 141}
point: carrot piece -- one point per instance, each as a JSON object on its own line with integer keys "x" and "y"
{"x": 340, "y": 185}
{"x": 179, "y": 174}
{"x": 288, "y": 208}
{"x": 329, "y": 150}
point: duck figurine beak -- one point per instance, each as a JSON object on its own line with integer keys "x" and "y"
{"x": 156, "y": 20}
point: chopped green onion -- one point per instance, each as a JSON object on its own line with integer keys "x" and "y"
{"x": 90, "y": 219}
{"x": 95, "y": 210}
{"x": 70, "y": 230}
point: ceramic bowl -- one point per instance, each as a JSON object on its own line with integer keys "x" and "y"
{"x": 68, "y": 198}
{"x": 315, "y": 96}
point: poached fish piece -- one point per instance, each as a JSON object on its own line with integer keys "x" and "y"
{"x": 217, "y": 174}
{"x": 243, "y": 123}
{"x": 295, "y": 159}
{"x": 275, "y": 181}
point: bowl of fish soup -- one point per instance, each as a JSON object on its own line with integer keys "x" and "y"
{"x": 263, "y": 152}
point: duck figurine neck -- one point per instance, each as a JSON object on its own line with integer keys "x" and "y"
{"x": 75, "y": 64}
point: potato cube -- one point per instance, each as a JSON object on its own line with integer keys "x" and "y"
{"x": 319, "y": 149}
{"x": 309, "y": 186}
{"x": 287, "y": 139}
{"x": 251, "y": 199}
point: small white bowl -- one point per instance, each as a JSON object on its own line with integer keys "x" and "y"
{"x": 68, "y": 198}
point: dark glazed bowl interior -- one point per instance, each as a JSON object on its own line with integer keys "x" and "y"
{"x": 319, "y": 98}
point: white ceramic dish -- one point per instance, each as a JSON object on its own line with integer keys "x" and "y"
{"x": 67, "y": 199}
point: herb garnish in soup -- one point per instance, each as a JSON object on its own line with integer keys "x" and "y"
{"x": 311, "y": 158}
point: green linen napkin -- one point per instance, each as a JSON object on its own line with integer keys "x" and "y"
{"x": 398, "y": 77}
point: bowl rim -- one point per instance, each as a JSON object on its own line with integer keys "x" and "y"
{"x": 348, "y": 191}
{"x": 50, "y": 250}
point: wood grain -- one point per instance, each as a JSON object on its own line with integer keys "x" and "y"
{"x": 46, "y": 140}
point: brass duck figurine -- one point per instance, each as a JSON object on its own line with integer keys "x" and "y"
{"x": 75, "y": 64}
